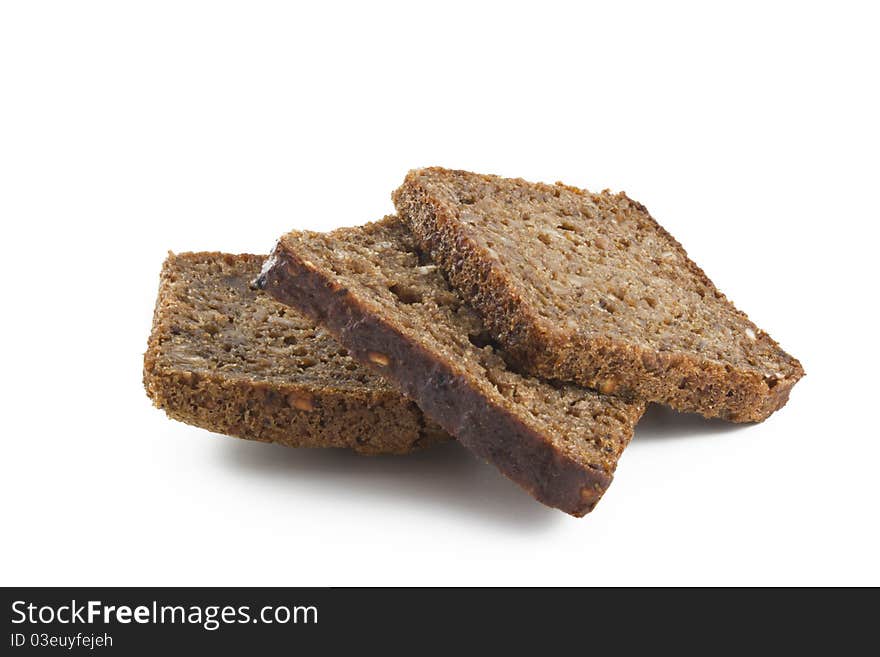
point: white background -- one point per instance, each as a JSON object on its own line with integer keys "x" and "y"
{"x": 127, "y": 129}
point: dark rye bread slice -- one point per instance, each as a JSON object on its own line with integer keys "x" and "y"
{"x": 228, "y": 358}
{"x": 392, "y": 309}
{"x": 589, "y": 288}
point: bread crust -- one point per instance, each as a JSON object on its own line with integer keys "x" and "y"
{"x": 683, "y": 380}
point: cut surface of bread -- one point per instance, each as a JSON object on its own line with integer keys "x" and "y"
{"x": 228, "y": 358}
{"x": 387, "y": 304}
{"x": 589, "y": 288}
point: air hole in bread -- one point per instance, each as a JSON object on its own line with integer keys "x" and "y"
{"x": 405, "y": 293}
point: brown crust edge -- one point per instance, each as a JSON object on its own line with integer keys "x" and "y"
{"x": 709, "y": 388}
{"x": 199, "y": 398}
{"x": 486, "y": 429}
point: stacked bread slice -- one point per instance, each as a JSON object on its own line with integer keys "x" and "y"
{"x": 226, "y": 357}
{"x": 589, "y": 288}
{"x": 531, "y": 322}
{"x": 372, "y": 290}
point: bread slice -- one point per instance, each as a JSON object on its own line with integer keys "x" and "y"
{"x": 227, "y": 358}
{"x": 393, "y": 309}
{"x": 589, "y": 288}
